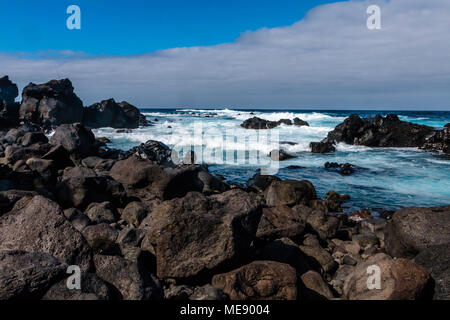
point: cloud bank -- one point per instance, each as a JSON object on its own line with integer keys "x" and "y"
{"x": 328, "y": 60}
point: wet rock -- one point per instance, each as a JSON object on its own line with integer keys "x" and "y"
{"x": 27, "y": 275}
{"x": 360, "y": 215}
{"x": 280, "y": 155}
{"x": 322, "y": 147}
{"x": 51, "y": 104}
{"x": 299, "y": 122}
{"x": 401, "y": 279}
{"x": 38, "y": 225}
{"x": 197, "y": 234}
{"x": 414, "y": 229}
{"x": 313, "y": 287}
{"x": 155, "y": 151}
{"x": 258, "y": 123}
{"x": 259, "y": 280}
{"x": 380, "y": 131}
{"x": 345, "y": 169}
{"x": 439, "y": 142}
{"x": 290, "y": 193}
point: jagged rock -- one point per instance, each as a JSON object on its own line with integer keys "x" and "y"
{"x": 155, "y": 151}
{"x": 258, "y": 123}
{"x": 134, "y": 213}
{"x": 26, "y": 276}
{"x": 9, "y": 109}
{"x": 278, "y": 222}
{"x": 413, "y": 229}
{"x": 325, "y": 205}
{"x": 313, "y": 287}
{"x": 77, "y": 218}
{"x": 51, "y": 104}
{"x": 259, "y": 280}
{"x": 345, "y": 169}
{"x": 290, "y": 193}
{"x": 75, "y": 138}
{"x": 103, "y": 212}
{"x": 108, "y": 113}
{"x": 322, "y": 147}
{"x": 208, "y": 292}
{"x": 30, "y": 138}
{"x": 100, "y": 237}
{"x": 323, "y": 224}
{"x": 439, "y": 142}
{"x": 401, "y": 279}
{"x": 197, "y": 234}
{"x": 299, "y": 122}
{"x": 380, "y": 131}
{"x": 17, "y": 153}
{"x": 92, "y": 288}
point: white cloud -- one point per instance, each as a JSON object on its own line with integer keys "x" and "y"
{"x": 327, "y": 60}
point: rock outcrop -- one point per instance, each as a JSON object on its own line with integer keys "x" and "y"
{"x": 108, "y": 113}
{"x": 9, "y": 109}
{"x": 51, "y": 104}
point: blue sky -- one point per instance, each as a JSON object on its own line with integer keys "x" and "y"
{"x": 285, "y": 54}
{"x": 140, "y": 26}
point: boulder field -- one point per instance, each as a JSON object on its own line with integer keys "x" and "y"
{"x": 142, "y": 226}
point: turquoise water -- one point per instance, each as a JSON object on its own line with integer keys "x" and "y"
{"x": 385, "y": 178}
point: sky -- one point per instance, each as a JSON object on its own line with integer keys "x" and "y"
{"x": 277, "y": 54}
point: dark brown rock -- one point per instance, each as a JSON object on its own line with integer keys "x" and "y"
{"x": 290, "y": 193}
{"x": 259, "y": 280}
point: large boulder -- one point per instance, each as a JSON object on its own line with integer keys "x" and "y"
{"x": 108, "y": 113}
{"x": 261, "y": 182}
{"x": 51, "y": 104}
{"x": 439, "y": 142}
{"x": 259, "y": 280}
{"x": 290, "y": 193}
{"x": 25, "y": 275}
{"x": 413, "y": 229}
{"x": 38, "y": 225}
{"x": 278, "y": 222}
{"x": 436, "y": 259}
{"x": 127, "y": 276}
{"x": 322, "y": 147}
{"x": 9, "y": 109}
{"x": 75, "y": 138}
{"x": 155, "y": 151}
{"x": 258, "y": 123}
{"x": 197, "y": 234}
{"x": 400, "y": 279}
{"x": 380, "y": 131}
{"x": 81, "y": 186}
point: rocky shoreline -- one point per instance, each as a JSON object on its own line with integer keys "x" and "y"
{"x": 140, "y": 226}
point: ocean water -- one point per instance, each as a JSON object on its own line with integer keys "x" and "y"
{"x": 385, "y": 178}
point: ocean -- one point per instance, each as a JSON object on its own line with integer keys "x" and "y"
{"x": 384, "y": 179}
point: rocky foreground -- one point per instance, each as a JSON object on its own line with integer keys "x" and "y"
{"x": 142, "y": 227}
